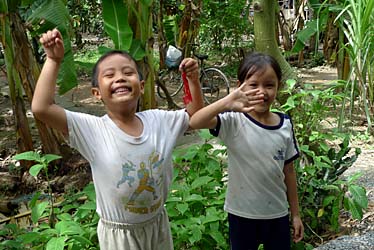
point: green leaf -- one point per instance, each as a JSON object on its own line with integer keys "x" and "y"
{"x": 28, "y": 156}
{"x": 182, "y": 207}
{"x": 355, "y": 209}
{"x": 218, "y": 237}
{"x": 359, "y": 195}
{"x": 29, "y": 237}
{"x": 205, "y": 134}
{"x": 200, "y": 181}
{"x": 56, "y": 243}
{"x": 90, "y": 205}
{"x": 327, "y": 200}
{"x": 116, "y": 24}
{"x": 37, "y": 211}
{"x": 137, "y": 51}
{"x": 194, "y": 197}
{"x": 68, "y": 228}
{"x": 34, "y": 170}
{"x": 196, "y": 235}
{"x": 50, "y": 157}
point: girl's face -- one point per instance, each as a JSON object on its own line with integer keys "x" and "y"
{"x": 118, "y": 81}
{"x": 266, "y": 81}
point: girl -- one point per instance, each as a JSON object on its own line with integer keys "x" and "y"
{"x": 261, "y": 149}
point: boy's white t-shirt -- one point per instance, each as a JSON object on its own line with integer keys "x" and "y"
{"x": 131, "y": 174}
{"x": 256, "y": 157}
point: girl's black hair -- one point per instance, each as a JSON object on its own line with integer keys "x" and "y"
{"x": 254, "y": 62}
{"x": 95, "y": 72}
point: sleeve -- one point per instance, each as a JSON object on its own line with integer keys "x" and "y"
{"x": 82, "y": 133}
{"x": 227, "y": 124}
{"x": 292, "y": 152}
{"x": 175, "y": 123}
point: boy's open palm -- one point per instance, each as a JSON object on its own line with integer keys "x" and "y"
{"x": 242, "y": 100}
{"x": 53, "y": 45}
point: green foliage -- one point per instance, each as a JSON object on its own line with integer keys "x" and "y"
{"x": 47, "y": 15}
{"x": 224, "y": 24}
{"x": 116, "y": 24}
{"x": 195, "y": 204}
{"x": 70, "y": 224}
{"x": 356, "y": 20}
{"x": 323, "y": 193}
{"x": 75, "y": 227}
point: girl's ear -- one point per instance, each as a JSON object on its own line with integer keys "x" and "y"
{"x": 238, "y": 84}
{"x": 96, "y": 92}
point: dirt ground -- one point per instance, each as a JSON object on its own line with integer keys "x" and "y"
{"x": 80, "y": 99}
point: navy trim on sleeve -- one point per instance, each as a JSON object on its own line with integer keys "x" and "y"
{"x": 215, "y": 131}
{"x": 292, "y": 158}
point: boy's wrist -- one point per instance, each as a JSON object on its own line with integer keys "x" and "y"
{"x": 54, "y": 60}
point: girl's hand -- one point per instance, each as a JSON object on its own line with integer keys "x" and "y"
{"x": 242, "y": 100}
{"x": 298, "y": 229}
{"x": 53, "y": 45}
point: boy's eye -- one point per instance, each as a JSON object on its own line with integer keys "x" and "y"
{"x": 109, "y": 75}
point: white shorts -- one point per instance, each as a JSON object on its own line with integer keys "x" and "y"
{"x": 154, "y": 234}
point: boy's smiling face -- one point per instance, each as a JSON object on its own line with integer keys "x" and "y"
{"x": 119, "y": 81}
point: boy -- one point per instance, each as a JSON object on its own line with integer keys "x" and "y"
{"x": 129, "y": 153}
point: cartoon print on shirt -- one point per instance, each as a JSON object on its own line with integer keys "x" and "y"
{"x": 146, "y": 183}
{"x": 126, "y": 169}
{"x": 280, "y": 156}
{"x": 149, "y": 176}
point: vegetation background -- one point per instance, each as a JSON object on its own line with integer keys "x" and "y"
{"x": 47, "y": 199}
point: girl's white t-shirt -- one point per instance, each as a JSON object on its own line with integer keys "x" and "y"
{"x": 131, "y": 175}
{"x": 256, "y": 157}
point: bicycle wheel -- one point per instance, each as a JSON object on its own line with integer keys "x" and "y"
{"x": 173, "y": 82}
{"x": 215, "y": 84}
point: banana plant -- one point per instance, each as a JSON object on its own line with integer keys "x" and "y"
{"x": 22, "y": 72}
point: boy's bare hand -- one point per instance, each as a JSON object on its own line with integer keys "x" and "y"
{"x": 191, "y": 67}
{"x": 53, "y": 45}
{"x": 243, "y": 100}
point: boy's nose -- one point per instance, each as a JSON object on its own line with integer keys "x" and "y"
{"x": 120, "y": 77}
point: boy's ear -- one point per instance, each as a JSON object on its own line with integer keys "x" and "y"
{"x": 142, "y": 87}
{"x": 96, "y": 92}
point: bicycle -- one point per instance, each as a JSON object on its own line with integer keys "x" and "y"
{"x": 214, "y": 83}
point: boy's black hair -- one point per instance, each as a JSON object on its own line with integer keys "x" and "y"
{"x": 255, "y": 61}
{"x": 95, "y": 73}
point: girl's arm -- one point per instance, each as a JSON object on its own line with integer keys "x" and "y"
{"x": 43, "y": 105}
{"x": 240, "y": 100}
{"x": 290, "y": 181}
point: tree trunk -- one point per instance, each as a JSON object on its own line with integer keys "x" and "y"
{"x": 264, "y": 30}
{"x": 22, "y": 73}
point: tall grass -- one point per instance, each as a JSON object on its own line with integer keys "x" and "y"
{"x": 356, "y": 20}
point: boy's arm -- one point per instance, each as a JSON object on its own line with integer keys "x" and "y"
{"x": 240, "y": 100}
{"x": 43, "y": 105}
{"x": 191, "y": 68}
{"x": 290, "y": 181}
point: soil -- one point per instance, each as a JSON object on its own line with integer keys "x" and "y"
{"x": 76, "y": 171}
